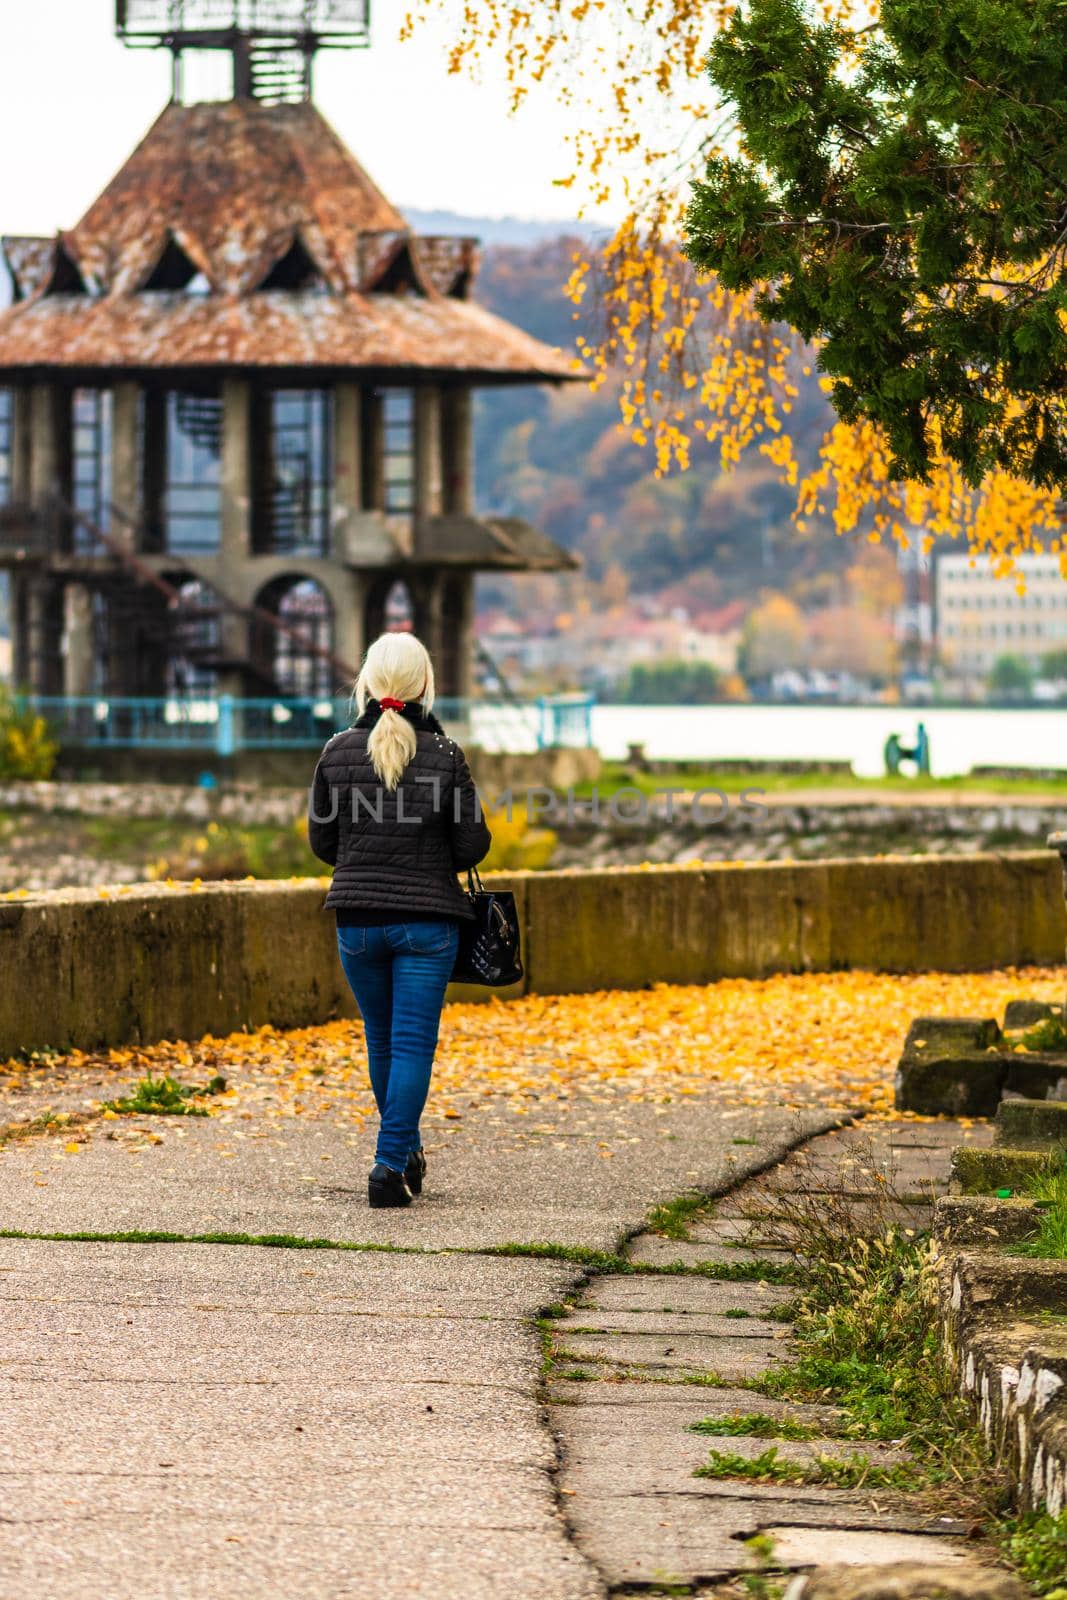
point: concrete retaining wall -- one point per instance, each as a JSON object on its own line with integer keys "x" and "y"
{"x": 84, "y": 968}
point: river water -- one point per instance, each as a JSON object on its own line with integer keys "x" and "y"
{"x": 959, "y": 739}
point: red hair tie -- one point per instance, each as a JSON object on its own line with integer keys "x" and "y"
{"x": 388, "y": 704}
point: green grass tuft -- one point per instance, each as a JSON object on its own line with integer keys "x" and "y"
{"x": 1036, "y": 1545}
{"x": 1050, "y": 1190}
{"x": 1048, "y": 1035}
{"x": 166, "y": 1097}
{"x": 756, "y": 1425}
{"x": 672, "y": 1221}
{"x": 852, "y": 1472}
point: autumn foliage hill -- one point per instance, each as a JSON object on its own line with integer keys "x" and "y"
{"x": 559, "y": 458}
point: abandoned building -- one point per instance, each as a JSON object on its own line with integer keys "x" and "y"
{"x": 235, "y": 398}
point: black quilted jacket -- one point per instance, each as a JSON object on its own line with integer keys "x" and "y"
{"x": 401, "y": 849}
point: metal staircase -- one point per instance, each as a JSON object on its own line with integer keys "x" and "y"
{"x": 200, "y": 419}
{"x": 194, "y": 632}
{"x": 278, "y": 76}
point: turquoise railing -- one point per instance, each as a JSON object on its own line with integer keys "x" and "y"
{"x": 225, "y": 725}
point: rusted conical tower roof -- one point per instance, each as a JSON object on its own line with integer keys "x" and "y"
{"x": 234, "y": 182}
{"x": 246, "y": 234}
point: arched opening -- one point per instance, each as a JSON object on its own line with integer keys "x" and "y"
{"x": 295, "y": 655}
{"x": 390, "y": 608}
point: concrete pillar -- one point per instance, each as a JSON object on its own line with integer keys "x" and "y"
{"x": 50, "y": 446}
{"x": 235, "y": 544}
{"x": 427, "y": 593}
{"x": 460, "y": 628}
{"x": 77, "y": 647}
{"x": 457, "y": 449}
{"x": 348, "y": 463}
{"x": 126, "y": 465}
{"x": 20, "y": 653}
{"x": 47, "y": 453}
{"x": 153, "y": 474}
{"x": 20, "y": 446}
{"x": 372, "y": 464}
{"x": 428, "y": 473}
{"x": 349, "y": 598}
{"x": 235, "y": 472}
{"x": 38, "y": 666}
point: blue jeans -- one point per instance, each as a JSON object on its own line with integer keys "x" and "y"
{"x": 398, "y": 974}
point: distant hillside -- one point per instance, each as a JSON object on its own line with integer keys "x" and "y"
{"x": 559, "y": 458}
{"x": 519, "y": 231}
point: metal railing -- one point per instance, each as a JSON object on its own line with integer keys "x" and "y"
{"x": 224, "y": 724}
{"x": 341, "y": 21}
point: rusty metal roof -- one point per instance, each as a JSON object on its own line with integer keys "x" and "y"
{"x": 236, "y": 186}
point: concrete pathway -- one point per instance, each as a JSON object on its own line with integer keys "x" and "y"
{"x": 360, "y": 1408}
{"x": 212, "y": 1420}
{"x": 638, "y": 1361}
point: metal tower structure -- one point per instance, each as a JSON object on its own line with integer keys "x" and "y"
{"x": 273, "y": 43}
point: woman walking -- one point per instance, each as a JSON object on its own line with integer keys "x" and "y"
{"x": 395, "y": 813}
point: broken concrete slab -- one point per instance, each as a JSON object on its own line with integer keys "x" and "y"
{"x": 665, "y": 1324}
{"x": 1031, "y": 1124}
{"x": 1028, "y": 1013}
{"x": 984, "y": 1221}
{"x": 729, "y": 1358}
{"x": 803, "y": 1546}
{"x": 650, "y": 1250}
{"x": 694, "y": 1297}
{"x": 613, "y": 1407}
{"x": 1000, "y": 1167}
{"x": 907, "y": 1580}
{"x": 973, "y": 1085}
{"x": 945, "y": 1036}
{"x": 699, "y": 1536}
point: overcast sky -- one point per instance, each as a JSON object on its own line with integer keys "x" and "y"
{"x": 74, "y": 102}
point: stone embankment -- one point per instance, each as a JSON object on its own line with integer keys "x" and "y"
{"x": 83, "y": 968}
{"x": 810, "y": 826}
{"x": 1003, "y": 1296}
{"x": 620, "y": 829}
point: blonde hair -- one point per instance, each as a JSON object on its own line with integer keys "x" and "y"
{"x": 397, "y": 665}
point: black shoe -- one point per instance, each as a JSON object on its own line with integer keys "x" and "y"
{"x": 415, "y": 1171}
{"x": 387, "y": 1188}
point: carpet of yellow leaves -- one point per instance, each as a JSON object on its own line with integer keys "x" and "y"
{"x": 831, "y": 1038}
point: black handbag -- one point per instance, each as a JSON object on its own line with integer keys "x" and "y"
{"x": 489, "y": 947}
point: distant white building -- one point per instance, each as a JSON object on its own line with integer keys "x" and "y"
{"x": 981, "y": 618}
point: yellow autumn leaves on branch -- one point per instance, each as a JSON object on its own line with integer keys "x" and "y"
{"x": 698, "y": 365}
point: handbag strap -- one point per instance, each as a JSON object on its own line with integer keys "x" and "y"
{"x": 474, "y": 882}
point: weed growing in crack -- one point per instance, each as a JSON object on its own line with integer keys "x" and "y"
{"x": 672, "y": 1221}
{"x": 850, "y": 1472}
{"x": 603, "y": 1263}
{"x": 756, "y": 1425}
{"x": 865, "y": 1336}
{"x": 760, "y": 1585}
{"x": 46, "y": 1122}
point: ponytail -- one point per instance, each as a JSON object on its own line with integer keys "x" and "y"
{"x": 391, "y": 746}
{"x": 396, "y": 667}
